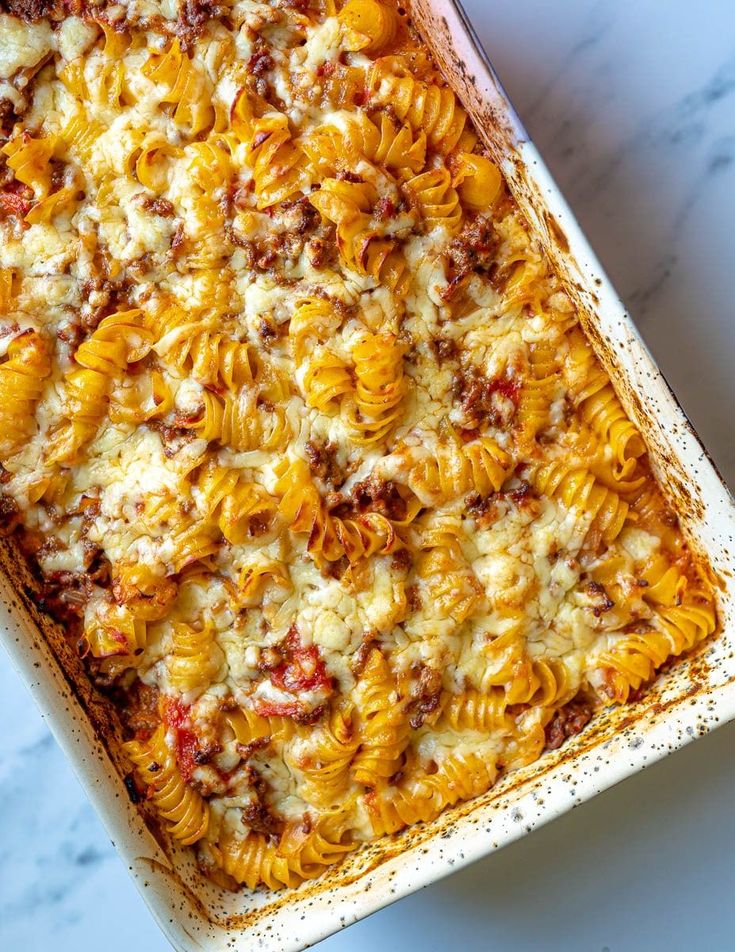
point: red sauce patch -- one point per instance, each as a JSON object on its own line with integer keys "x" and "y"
{"x": 15, "y": 199}
{"x": 302, "y": 669}
{"x": 280, "y": 709}
{"x": 187, "y": 746}
{"x": 175, "y": 714}
{"x": 506, "y": 386}
{"x": 477, "y": 394}
{"x": 120, "y": 639}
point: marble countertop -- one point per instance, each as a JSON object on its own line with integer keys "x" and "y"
{"x": 633, "y": 106}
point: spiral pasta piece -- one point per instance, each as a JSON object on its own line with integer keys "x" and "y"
{"x": 327, "y": 380}
{"x": 153, "y": 162}
{"x": 107, "y": 85}
{"x": 195, "y": 659}
{"x": 369, "y": 25}
{"x": 325, "y": 763}
{"x": 257, "y": 579}
{"x": 453, "y": 468}
{"x": 120, "y": 338}
{"x": 30, "y": 161}
{"x": 232, "y": 421}
{"x": 380, "y": 388}
{"x": 254, "y": 860}
{"x": 248, "y": 726}
{"x": 184, "y": 86}
{"x": 298, "y": 856}
{"x": 240, "y": 507}
{"x": 634, "y": 659}
{"x": 278, "y": 164}
{"x": 313, "y": 321}
{"x": 329, "y": 538}
{"x": 118, "y": 632}
{"x": 477, "y": 180}
{"x": 383, "y": 728}
{"x": 472, "y": 710}
{"x": 436, "y": 198}
{"x": 576, "y": 488}
{"x": 186, "y": 813}
{"x": 600, "y": 407}
{"x": 452, "y": 588}
{"x": 362, "y": 247}
{"x": 379, "y": 140}
{"x": 22, "y": 380}
{"x": 425, "y": 106}
{"x": 458, "y": 778}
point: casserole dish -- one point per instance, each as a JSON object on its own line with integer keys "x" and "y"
{"x": 201, "y": 913}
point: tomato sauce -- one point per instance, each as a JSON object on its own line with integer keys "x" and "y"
{"x": 175, "y": 715}
{"x": 302, "y": 669}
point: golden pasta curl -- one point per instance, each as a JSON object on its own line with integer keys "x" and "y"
{"x": 314, "y": 321}
{"x": 325, "y": 761}
{"x": 477, "y": 180}
{"x": 277, "y": 163}
{"x": 459, "y": 777}
{"x": 383, "y": 728}
{"x": 300, "y": 854}
{"x": 22, "y": 378}
{"x": 602, "y": 510}
{"x": 362, "y": 247}
{"x": 232, "y": 420}
{"x": 634, "y": 659}
{"x": 452, "y": 588}
{"x": 8, "y": 288}
{"x": 380, "y": 390}
{"x": 537, "y": 392}
{"x": 153, "y": 162}
{"x": 683, "y": 615}
{"x": 196, "y": 660}
{"x": 327, "y": 379}
{"x": 106, "y": 83}
{"x": 472, "y": 710}
{"x": 425, "y": 106}
{"x": 329, "y": 537}
{"x": 145, "y": 397}
{"x": 186, "y": 813}
{"x": 248, "y": 726}
{"x": 184, "y": 85}
{"x": 380, "y": 140}
{"x": 117, "y": 632}
{"x": 253, "y": 860}
{"x": 257, "y": 579}
{"x": 242, "y": 508}
{"x": 369, "y": 25}
{"x": 600, "y": 407}
{"x": 437, "y": 200}
{"x": 30, "y": 161}
{"x": 118, "y": 340}
{"x": 453, "y": 468}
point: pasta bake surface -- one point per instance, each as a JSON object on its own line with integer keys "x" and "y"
{"x": 299, "y": 428}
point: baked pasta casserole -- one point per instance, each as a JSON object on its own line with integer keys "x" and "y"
{"x": 299, "y": 430}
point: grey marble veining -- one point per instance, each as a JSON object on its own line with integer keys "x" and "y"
{"x": 632, "y": 104}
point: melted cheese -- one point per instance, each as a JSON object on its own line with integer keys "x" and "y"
{"x": 23, "y": 44}
{"x": 200, "y": 226}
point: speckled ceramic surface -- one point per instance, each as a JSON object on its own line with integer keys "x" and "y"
{"x": 689, "y": 701}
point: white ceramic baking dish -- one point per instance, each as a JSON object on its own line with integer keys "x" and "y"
{"x": 690, "y": 700}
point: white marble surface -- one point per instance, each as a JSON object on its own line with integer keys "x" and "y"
{"x": 632, "y": 103}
